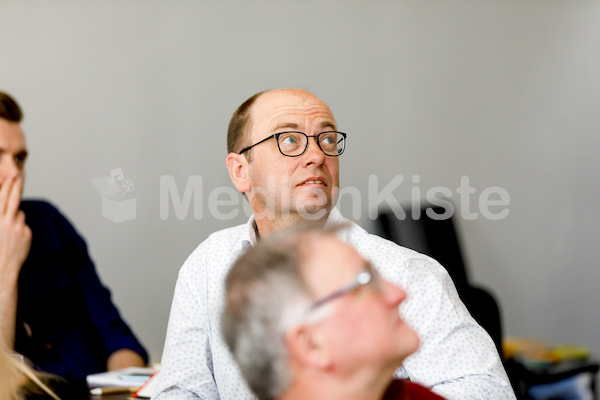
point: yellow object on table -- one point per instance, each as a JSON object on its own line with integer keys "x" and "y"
{"x": 537, "y": 353}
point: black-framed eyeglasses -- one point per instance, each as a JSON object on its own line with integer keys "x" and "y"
{"x": 365, "y": 277}
{"x": 294, "y": 144}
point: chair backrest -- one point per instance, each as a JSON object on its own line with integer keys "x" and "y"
{"x": 436, "y": 237}
{"x": 432, "y": 236}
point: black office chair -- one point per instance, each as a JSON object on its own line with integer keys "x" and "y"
{"x": 437, "y": 238}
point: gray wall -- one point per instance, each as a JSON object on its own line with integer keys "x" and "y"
{"x": 506, "y": 92}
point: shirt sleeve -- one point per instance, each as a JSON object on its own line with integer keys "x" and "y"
{"x": 108, "y": 325}
{"x": 457, "y": 358}
{"x": 186, "y": 365}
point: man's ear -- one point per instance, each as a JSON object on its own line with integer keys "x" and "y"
{"x": 237, "y": 164}
{"x": 308, "y": 347}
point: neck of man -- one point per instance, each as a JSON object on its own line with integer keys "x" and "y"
{"x": 268, "y": 225}
{"x": 363, "y": 385}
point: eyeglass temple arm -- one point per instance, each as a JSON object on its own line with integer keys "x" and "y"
{"x": 362, "y": 279}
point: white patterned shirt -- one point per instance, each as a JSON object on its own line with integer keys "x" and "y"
{"x": 457, "y": 358}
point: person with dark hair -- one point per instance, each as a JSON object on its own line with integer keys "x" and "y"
{"x": 306, "y": 317}
{"x": 284, "y": 152}
{"x": 53, "y": 308}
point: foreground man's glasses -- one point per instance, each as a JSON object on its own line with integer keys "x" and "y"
{"x": 362, "y": 279}
{"x": 294, "y": 144}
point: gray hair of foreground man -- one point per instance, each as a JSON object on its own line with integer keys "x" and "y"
{"x": 266, "y": 295}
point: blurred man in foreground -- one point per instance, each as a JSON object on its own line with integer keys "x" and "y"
{"x": 306, "y": 317}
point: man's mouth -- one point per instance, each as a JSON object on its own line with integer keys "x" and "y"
{"x": 313, "y": 181}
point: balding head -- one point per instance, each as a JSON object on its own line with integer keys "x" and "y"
{"x": 241, "y": 121}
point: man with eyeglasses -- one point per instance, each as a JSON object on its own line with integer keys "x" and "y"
{"x": 306, "y": 317}
{"x": 284, "y": 147}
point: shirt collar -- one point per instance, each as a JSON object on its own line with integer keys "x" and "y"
{"x": 335, "y": 217}
{"x": 251, "y": 233}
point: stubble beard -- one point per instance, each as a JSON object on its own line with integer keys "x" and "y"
{"x": 278, "y": 203}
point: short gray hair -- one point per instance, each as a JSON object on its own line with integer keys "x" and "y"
{"x": 264, "y": 286}
{"x": 265, "y": 296}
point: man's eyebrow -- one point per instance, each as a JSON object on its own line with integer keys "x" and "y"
{"x": 328, "y": 124}
{"x": 286, "y": 125}
{"x": 370, "y": 268}
{"x": 292, "y": 125}
{"x": 20, "y": 153}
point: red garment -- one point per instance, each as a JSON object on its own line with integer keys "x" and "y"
{"x": 406, "y": 390}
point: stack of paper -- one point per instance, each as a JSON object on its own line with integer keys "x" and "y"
{"x": 126, "y": 377}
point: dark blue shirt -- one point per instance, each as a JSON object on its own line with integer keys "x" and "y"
{"x": 74, "y": 326}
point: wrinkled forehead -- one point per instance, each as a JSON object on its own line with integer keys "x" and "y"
{"x": 291, "y": 109}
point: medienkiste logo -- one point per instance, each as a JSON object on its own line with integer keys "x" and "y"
{"x": 115, "y": 189}
{"x": 224, "y": 203}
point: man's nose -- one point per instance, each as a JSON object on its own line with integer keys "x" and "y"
{"x": 393, "y": 294}
{"x": 313, "y": 153}
{"x": 9, "y": 169}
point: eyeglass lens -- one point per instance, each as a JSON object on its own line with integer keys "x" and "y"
{"x": 295, "y": 143}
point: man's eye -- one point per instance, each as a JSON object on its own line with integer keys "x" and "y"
{"x": 328, "y": 139}
{"x": 20, "y": 159}
{"x": 288, "y": 140}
